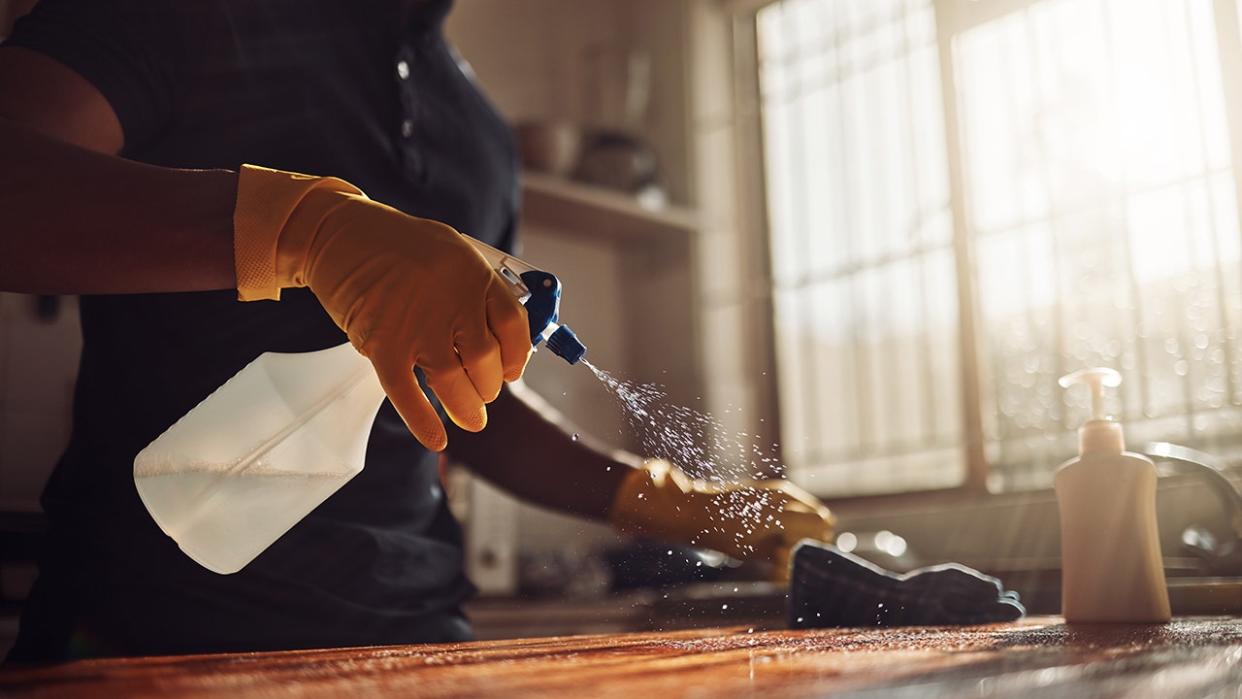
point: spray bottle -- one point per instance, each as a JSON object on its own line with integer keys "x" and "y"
{"x": 1111, "y": 567}
{"x": 287, "y": 431}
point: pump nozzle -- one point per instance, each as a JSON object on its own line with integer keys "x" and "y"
{"x": 1100, "y": 433}
{"x": 1096, "y": 379}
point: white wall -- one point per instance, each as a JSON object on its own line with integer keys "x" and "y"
{"x": 530, "y": 55}
{"x": 540, "y": 59}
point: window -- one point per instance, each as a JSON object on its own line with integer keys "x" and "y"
{"x": 861, "y": 241}
{"x": 1098, "y": 218}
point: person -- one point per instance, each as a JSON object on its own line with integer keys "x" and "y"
{"x": 149, "y": 160}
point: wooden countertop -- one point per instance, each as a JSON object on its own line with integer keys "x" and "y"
{"x": 1033, "y": 657}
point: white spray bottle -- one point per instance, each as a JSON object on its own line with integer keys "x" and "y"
{"x": 1111, "y": 567}
{"x": 287, "y": 431}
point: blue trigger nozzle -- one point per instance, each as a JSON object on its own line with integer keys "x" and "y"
{"x": 543, "y": 311}
{"x": 566, "y": 345}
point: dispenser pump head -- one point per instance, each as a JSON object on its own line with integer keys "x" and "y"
{"x": 1100, "y": 432}
{"x": 1096, "y": 379}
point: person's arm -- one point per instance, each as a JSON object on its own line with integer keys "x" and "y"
{"x": 527, "y": 451}
{"x": 77, "y": 219}
{"x": 74, "y": 218}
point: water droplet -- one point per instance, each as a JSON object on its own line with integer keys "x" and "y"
{"x": 724, "y": 606}
{"x": 575, "y": 436}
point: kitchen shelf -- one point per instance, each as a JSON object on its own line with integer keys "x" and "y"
{"x": 573, "y": 208}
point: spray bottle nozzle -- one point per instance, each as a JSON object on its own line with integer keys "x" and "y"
{"x": 540, "y": 293}
{"x": 543, "y": 311}
{"x": 1096, "y": 379}
{"x": 566, "y": 345}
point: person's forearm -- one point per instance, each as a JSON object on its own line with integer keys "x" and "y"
{"x": 73, "y": 221}
{"x": 527, "y": 450}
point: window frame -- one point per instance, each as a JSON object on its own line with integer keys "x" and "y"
{"x": 953, "y": 18}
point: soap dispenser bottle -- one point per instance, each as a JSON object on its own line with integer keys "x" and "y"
{"x": 1111, "y": 567}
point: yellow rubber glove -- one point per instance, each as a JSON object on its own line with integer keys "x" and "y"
{"x": 752, "y": 519}
{"x": 407, "y": 291}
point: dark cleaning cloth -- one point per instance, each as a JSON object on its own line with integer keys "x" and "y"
{"x": 831, "y": 588}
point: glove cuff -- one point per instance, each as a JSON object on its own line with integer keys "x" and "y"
{"x": 266, "y": 201}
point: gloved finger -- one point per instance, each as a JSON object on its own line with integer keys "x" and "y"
{"x": 507, "y": 320}
{"x": 457, "y": 394}
{"x": 796, "y": 526}
{"x": 801, "y": 505}
{"x": 794, "y": 494}
{"x": 480, "y": 357}
{"x": 411, "y": 403}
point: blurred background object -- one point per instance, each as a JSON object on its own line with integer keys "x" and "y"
{"x": 550, "y": 147}
{"x": 616, "y": 160}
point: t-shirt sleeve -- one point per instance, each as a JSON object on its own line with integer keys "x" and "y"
{"x": 127, "y": 49}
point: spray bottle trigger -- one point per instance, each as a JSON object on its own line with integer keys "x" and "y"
{"x": 543, "y": 307}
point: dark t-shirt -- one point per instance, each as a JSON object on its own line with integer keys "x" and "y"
{"x": 363, "y": 90}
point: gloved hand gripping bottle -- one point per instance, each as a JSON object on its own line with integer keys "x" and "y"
{"x": 1111, "y": 567}
{"x": 287, "y": 431}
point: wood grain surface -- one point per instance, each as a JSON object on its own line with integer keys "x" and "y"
{"x": 1033, "y": 657}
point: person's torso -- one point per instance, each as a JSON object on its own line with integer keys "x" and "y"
{"x": 357, "y": 91}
